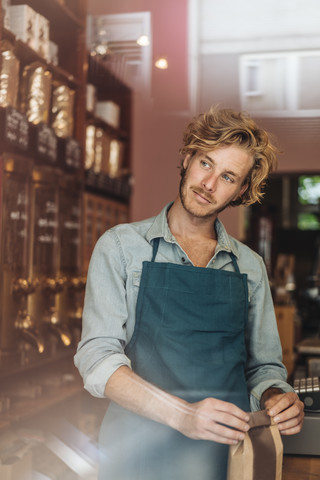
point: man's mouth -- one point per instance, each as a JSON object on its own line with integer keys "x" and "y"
{"x": 203, "y": 195}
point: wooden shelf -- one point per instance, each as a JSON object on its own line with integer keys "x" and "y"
{"x": 24, "y": 408}
{"x": 110, "y": 88}
{"x": 99, "y": 122}
{"x": 47, "y": 383}
{"x": 59, "y": 14}
{"x": 67, "y": 20}
{"x": 43, "y": 362}
{"x": 27, "y": 55}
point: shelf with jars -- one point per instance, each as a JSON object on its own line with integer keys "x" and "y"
{"x": 108, "y": 181}
{"x": 43, "y": 66}
{"x": 39, "y": 32}
{"x": 108, "y": 130}
{"x": 29, "y": 55}
{"x": 53, "y": 207}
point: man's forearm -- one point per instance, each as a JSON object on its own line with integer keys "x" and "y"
{"x": 209, "y": 419}
{"x": 135, "y": 394}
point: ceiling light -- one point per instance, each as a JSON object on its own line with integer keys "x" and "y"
{"x": 143, "y": 41}
{"x": 102, "y": 32}
{"x": 161, "y": 63}
{"x": 101, "y": 49}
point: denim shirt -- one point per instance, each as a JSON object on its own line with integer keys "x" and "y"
{"x": 112, "y": 290}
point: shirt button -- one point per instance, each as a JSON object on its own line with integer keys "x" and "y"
{"x": 183, "y": 259}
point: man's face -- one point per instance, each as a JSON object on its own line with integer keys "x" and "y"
{"x": 214, "y": 179}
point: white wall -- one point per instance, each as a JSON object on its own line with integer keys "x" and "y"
{"x": 230, "y": 28}
{"x": 254, "y": 25}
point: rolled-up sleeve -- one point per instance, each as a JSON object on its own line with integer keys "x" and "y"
{"x": 101, "y": 349}
{"x": 264, "y": 364}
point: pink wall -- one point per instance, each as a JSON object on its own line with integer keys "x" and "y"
{"x": 157, "y": 125}
{"x": 169, "y": 37}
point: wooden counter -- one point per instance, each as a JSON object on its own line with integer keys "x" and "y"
{"x": 301, "y": 467}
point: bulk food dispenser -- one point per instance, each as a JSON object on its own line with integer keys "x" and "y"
{"x": 70, "y": 299}
{"x": 17, "y": 325}
{"x": 46, "y": 257}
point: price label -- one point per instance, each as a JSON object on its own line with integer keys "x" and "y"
{"x": 16, "y": 130}
{"x": 47, "y": 144}
{"x": 73, "y": 154}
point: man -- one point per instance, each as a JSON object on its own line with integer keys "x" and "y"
{"x": 179, "y": 330}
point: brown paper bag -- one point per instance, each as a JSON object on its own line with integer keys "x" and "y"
{"x": 259, "y": 455}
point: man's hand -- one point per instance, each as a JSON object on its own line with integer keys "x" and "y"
{"x": 209, "y": 419}
{"x": 285, "y": 408}
{"x": 215, "y": 420}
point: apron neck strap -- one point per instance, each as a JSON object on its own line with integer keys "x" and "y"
{"x": 155, "y": 247}
{"x": 235, "y": 263}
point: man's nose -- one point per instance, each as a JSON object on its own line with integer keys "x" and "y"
{"x": 209, "y": 183}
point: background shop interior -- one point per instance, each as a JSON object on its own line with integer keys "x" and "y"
{"x": 94, "y": 97}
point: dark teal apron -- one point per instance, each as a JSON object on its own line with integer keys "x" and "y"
{"x": 189, "y": 339}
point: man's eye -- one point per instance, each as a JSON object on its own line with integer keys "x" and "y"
{"x": 226, "y": 177}
{"x": 204, "y": 163}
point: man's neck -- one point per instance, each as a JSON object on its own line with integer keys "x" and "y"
{"x": 196, "y": 236}
{"x": 185, "y": 225}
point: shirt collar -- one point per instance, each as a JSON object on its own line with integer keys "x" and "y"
{"x": 160, "y": 228}
{"x": 225, "y": 241}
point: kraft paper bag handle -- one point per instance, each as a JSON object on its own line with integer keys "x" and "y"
{"x": 259, "y": 456}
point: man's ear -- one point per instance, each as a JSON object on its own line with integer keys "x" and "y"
{"x": 186, "y": 161}
{"x": 243, "y": 189}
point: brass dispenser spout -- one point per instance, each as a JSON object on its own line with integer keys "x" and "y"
{"x": 58, "y": 329}
{"x": 23, "y": 286}
{"x": 54, "y": 285}
{"x": 63, "y": 335}
{"x": 78, "y": 283}
{"x": 25, "y": 326}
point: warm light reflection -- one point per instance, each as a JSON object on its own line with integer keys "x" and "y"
{"x": 143, "y": 41}
{"x": 161, "y": 63}
{"x": 102, "y": 49}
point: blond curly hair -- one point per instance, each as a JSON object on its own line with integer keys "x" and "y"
{"x": 222, "y": 127}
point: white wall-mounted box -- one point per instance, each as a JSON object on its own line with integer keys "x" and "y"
{"x": 109, "y": 112}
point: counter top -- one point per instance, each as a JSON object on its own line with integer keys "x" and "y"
{"x": 300, "y": 468}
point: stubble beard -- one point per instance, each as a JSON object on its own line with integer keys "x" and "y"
{"x": 203, "y": 193}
